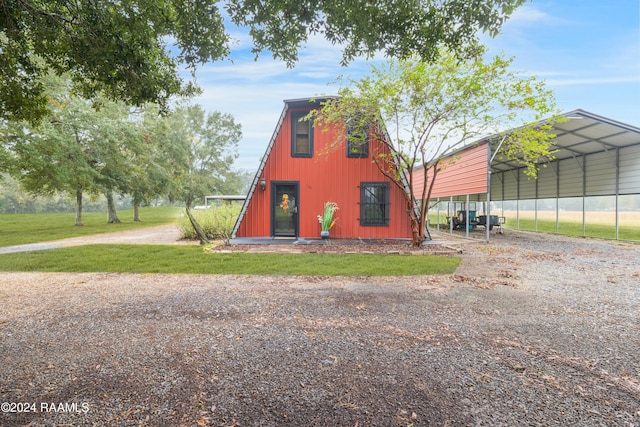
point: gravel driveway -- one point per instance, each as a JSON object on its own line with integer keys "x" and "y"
{"x": 158, "y": 235}
{"x": 532, "y": 330}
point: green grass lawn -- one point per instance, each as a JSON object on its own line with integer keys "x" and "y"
{"x": 573, "y": 229}
{"x": 567, "y": 228}
{"x": 18, "y": 229}
{"x": 193, "y": 260}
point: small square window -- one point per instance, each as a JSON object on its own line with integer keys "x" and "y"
{"x": 374, "y": 203}
{"x": 357, "y": 139}
{"x": 301, "y": 135}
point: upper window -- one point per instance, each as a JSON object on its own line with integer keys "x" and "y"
{"x": 374, "y": 203}
{"x": 357, "y": 138}
{"x": 301, "y": 135}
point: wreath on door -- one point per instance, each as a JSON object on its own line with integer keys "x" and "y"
{"x": 285, "y": 203}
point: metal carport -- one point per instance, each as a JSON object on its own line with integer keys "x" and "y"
{"x": 594, "y": 156}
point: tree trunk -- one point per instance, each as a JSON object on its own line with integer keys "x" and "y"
{"x": 111, "y": 207}
{"x": 426, "y": 198}
{"x": 79, "y": 208}
{"x": 136, "y": 213}
{"x": 199, "y": 232}
{"x": 417, "y": 230}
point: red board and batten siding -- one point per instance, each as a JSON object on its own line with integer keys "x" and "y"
{"x": 466, "y": 175}
{"x": 327, "y": 176}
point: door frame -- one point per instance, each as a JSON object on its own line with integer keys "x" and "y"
{"x": 276, "y": 203}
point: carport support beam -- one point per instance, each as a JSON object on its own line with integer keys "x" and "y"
{"x": 488, "y": 221}
{"x": 617, "y": 193}
{"x": 487, "y": 212}
{"x": 466, "y": 231}
{"x": 451, "y": 214}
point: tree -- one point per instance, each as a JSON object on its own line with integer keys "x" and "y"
{"x": 202, "y": 148}
{"x": 122, "y": 48}
{"x": 53, "y": 155}
{"x": 151, "y": 169}
{"x": 115, "y": 47}
{"x": 84, "y": 147}
{"x": 422, "y": 112}
{"x": 116, "y": 143}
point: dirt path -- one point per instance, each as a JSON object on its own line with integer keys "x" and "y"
{"x": 532, "y": 330}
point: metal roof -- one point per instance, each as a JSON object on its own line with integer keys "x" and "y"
{"x": 584, "y": 133}
{"x": 307, "y": 102}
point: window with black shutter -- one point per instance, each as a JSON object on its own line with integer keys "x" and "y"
{"x": 357, "y": 138}
{"x": 301, "y": 135}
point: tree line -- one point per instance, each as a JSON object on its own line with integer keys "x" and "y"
{"x": 91, "y": 147}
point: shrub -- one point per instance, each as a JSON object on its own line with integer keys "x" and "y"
{"x": 217, "y": 222}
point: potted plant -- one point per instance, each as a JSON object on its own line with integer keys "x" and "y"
{"x": 327, "y": 219}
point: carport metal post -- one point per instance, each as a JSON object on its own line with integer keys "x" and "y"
{"x": 584, "y": 195}
{"x": 489, "y": 162}
{"x": 557, "y": 198}
{"x": 488, "y": 209}
{"x": 617, "y": 193}
{"x": 451, "y": 214}
{"x": 466, "y": 231}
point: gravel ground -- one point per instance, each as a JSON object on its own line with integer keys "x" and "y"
{"x": 532, "y": 330}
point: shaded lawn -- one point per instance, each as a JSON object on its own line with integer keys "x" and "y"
{"x": 19, "y": 229}
{"x": 193, "y": 260}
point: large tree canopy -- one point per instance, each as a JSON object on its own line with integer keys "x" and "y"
{"x": 118, "y": 47}
{"x": 122, "y": 47}
{"x": 398, "y": 28}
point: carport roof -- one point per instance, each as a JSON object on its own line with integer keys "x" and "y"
{"x": 584, "y": 133}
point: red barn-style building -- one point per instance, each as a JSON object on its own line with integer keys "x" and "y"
{"x": 302, "y": 169}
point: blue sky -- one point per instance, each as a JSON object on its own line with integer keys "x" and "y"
{"x": 587, "y": 51}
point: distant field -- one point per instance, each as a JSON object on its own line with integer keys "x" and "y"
{"x": 631, "y": 219}
{"x": 598, "y": 224}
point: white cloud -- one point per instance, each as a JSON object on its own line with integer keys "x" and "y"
{"x": 587, "y": 81}
{"x": 536, "y": 15}
{"x": 527, "y": 15}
